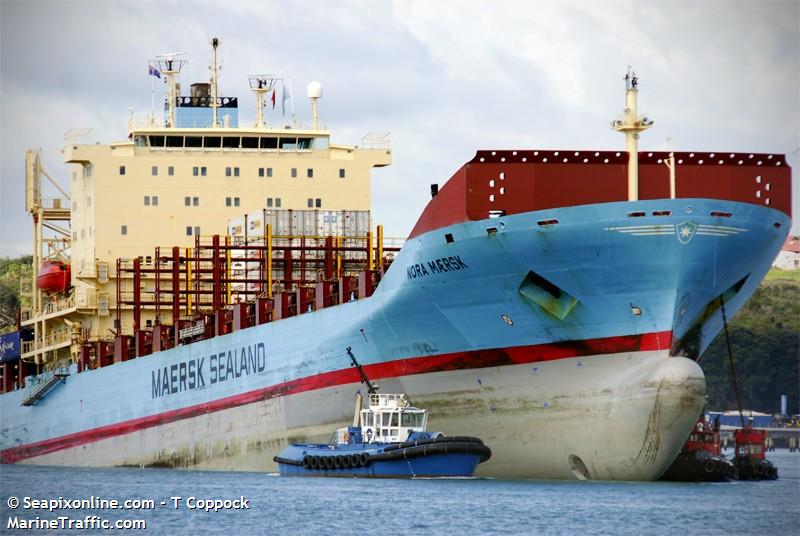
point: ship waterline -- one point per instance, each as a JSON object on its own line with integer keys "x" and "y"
{"x": 624, "y": 417}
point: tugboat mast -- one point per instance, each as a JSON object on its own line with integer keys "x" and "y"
{"x": 631, "y": 125}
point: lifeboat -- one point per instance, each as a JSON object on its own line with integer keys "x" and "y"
{"x": 54, "y": 276}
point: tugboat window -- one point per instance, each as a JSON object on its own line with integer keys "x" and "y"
{"x": 395, "y": 419}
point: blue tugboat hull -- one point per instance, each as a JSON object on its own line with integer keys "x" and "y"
{"x": 453, "y": 457}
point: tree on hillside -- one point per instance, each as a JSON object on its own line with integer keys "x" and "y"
{"x": 11, "y": 271}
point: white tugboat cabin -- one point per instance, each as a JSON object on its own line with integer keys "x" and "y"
{"x": 388, "y": 418}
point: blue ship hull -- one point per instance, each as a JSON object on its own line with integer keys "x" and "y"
{"x": 526, "y": 335}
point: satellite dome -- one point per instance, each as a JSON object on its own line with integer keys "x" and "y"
{"x": 314, "y": 90}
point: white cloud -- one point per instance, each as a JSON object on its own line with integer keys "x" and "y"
{"x": 445, "y": 78}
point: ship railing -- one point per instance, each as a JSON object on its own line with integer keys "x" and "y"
{"x": 50, "y": 309}
{"x": 54, "y": 203}
{"x": 376, "y": 140}
{"x": 63, "y": 304}
{"x": 51, "y": 339}
{"x": 393, "y": 242}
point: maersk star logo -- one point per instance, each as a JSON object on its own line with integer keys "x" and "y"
{"x": 685, "y": 231}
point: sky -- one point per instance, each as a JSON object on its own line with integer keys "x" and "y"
{"x": 444, "y": 78}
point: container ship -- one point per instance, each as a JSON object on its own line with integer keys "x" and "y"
{"x": 552, "y": 302}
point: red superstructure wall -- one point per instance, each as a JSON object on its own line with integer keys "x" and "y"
{"x": 513, "y": 182}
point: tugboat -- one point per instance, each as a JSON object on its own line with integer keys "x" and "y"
{"x": 701, "y": 457}
{"x": 749, "y": 459}
{"x": 388, "y": 439}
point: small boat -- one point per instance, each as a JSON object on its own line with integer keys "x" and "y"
{"x": 749, "y": 458}
{"x": 701, "y": 459}
{"x": 388, "y": 440}
{"x": 54, "y": 276}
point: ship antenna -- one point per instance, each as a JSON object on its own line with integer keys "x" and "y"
{"x": 261, "y": 84}
{"x": 631, "y": 125}
{"x": 170, "y": 65}
{"x": 215, "y": 42}
{"x": 370, "y": 388}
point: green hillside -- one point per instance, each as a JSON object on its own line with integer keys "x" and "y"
{"x": 765, "y": 336}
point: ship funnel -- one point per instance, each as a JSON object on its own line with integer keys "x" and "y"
{"x": 170, "y": 65}
{"x": 631, "y": 125}
{"x": 262, "y": 84}
{"x": 314, "y": 92}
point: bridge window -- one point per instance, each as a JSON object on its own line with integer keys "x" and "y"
{"x": 249, "y": 143}
{"x": 174, "y": 141}
{"x": 231, "y": 142}
{"x": 194, "y": 141}
{"x": 288, "y": 143}
{"x": 213, "y": 142}
{"x": 269, "y": 143}
{"x": 156, "y": 141}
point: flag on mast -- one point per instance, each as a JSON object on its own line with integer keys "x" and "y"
{"x": 284, "y": 97}
{"x": 273, "y": 99}
{"x": 153, "y": 71}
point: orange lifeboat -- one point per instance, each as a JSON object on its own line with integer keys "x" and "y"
{"x": 54, "y": 276}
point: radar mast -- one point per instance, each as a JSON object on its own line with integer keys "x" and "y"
{"x": 631, "y": 125}
{"x": 170, "y": 65}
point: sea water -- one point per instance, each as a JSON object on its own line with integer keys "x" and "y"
{"x": 183, "y": 503}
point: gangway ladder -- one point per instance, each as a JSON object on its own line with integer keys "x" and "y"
{"x": 39, "y": 391}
